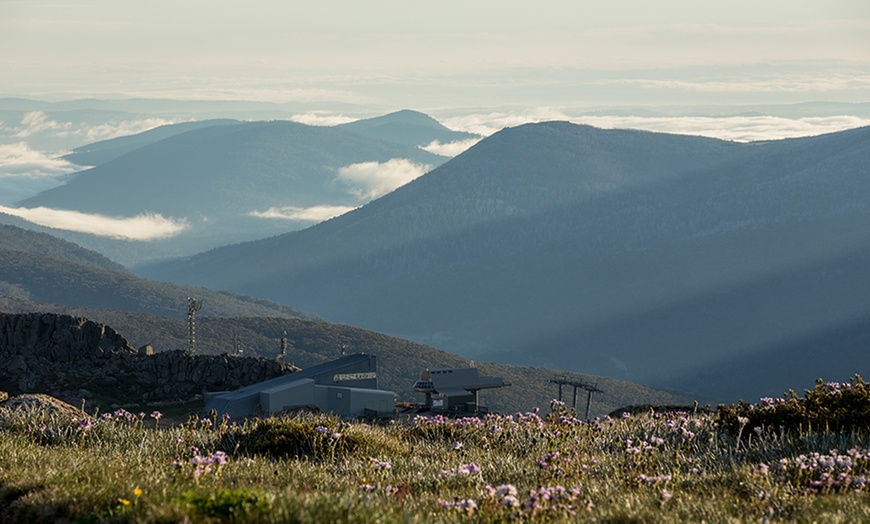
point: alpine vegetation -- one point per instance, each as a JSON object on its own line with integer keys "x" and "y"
{"x": 779, "y": 460}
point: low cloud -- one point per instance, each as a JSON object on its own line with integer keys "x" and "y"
{"x": 24, "y": 172}
{"x": 38, "y": 123}
{"x": 123, "y": 128}
{"x": 450, "y": 149}
{"x": 310, "y": 214}
{"x": 370, "y": 180}
{"x": 737, "y": 128}
{"x": 145, "y": 226}
{"x": 20, "y": 160}
{"x": 321, "y": 118}
{"x": 488, "y": 123}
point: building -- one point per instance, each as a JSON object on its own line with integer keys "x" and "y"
{"x": 455, "y": 390}
{"x": 347, "y": 387}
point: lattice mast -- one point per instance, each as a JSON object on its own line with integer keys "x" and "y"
{"x": 193, "y": 305}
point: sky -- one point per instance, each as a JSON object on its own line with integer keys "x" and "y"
{"x": 719, "y": 69}
{"x": 442, "y": 54}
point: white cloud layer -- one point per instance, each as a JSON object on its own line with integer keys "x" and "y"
{"x": 370, "y": 180}
{"x": 737, "y": 128}
{"x": 24, "y": 172}
{"x": 311, "y": 214}
{"x": 450, "y": 149}
{"x": 38, "y": 123}
{"x": 19, "y": 160}
{"x": 145, "y": 226}
{"x": 488, "y": 123}
{"x": 321, "y": 118}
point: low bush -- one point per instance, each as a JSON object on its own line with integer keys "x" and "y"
{"x": 829, "y": 406}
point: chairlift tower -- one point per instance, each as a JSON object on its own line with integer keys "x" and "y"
{"x": 193, "y": 305}
{"x": 577, "y": 384}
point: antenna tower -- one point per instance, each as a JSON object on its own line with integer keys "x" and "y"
{"x": 237, "y": 342}
{"x": 193, "y": 305}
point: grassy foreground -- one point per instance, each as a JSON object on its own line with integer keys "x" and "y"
{"x": 528, "y": 467}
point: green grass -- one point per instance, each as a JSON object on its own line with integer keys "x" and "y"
{"x": 529, "y": 467}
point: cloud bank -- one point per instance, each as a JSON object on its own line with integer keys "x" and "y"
{"x": 310, "y": 214}
{"x": 37, "y": 123}
{"x": 19, "y": 159}
{"x": 25, "y": 172}
{"x": 736, "y": 128}
{"x": 145, "y": 226}
{"x": 370, "y": 180}
{"x": 450, "y": 149}
{"x": 321, "y": 118}
{"x": 365, "y": 180}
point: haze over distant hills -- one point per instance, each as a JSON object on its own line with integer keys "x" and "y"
{"x": 40, "y": 273}
{"x": 659, "y": 258}
{"x": 99, "y": 153}
{"x": 223, "y": 181}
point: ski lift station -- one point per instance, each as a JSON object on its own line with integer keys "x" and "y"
{"x": 455, "y": 390}
{"x": 347, "y": 387}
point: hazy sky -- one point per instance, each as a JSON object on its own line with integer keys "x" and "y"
{"x": 476, "y": 65}
{"x": 418, "y": 54}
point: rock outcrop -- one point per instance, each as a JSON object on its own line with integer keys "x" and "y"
{"x": 65, "y": 356}
{"x": 37, "y": 402}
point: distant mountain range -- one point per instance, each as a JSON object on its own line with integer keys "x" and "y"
{"x": 230, "y": 181}
{"x": 99, "y": 153}
{"x": 720, "y": 267}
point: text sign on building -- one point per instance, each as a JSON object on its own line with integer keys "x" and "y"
{"x": 344, "y": 377}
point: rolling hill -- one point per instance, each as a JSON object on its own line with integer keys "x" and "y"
{"x": 410, "y": 128}
{"x": 662, "y": 259}
{"x": 38, "y": 267}
{"x": 104, "y": 151}
{"x": 228, "y": 182}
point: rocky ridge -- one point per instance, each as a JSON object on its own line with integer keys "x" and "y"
{"x": 74, "y": 358}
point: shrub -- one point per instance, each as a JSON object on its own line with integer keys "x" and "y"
{"x": 313, "y": 437}
{"x": 227, "y": 504}
{"x": 830, "y": 406}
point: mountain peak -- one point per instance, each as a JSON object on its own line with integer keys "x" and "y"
{"x": 401, "y": 117}
{"x": 406, "y": 127}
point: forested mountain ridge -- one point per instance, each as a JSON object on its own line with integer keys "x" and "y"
{"x": 624, "y": 253}
{"x": 406, "y": 127}
{"x": 99, "y": 153}
{"x": 38, "y": 267}
{"x": 17, "y": 239}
